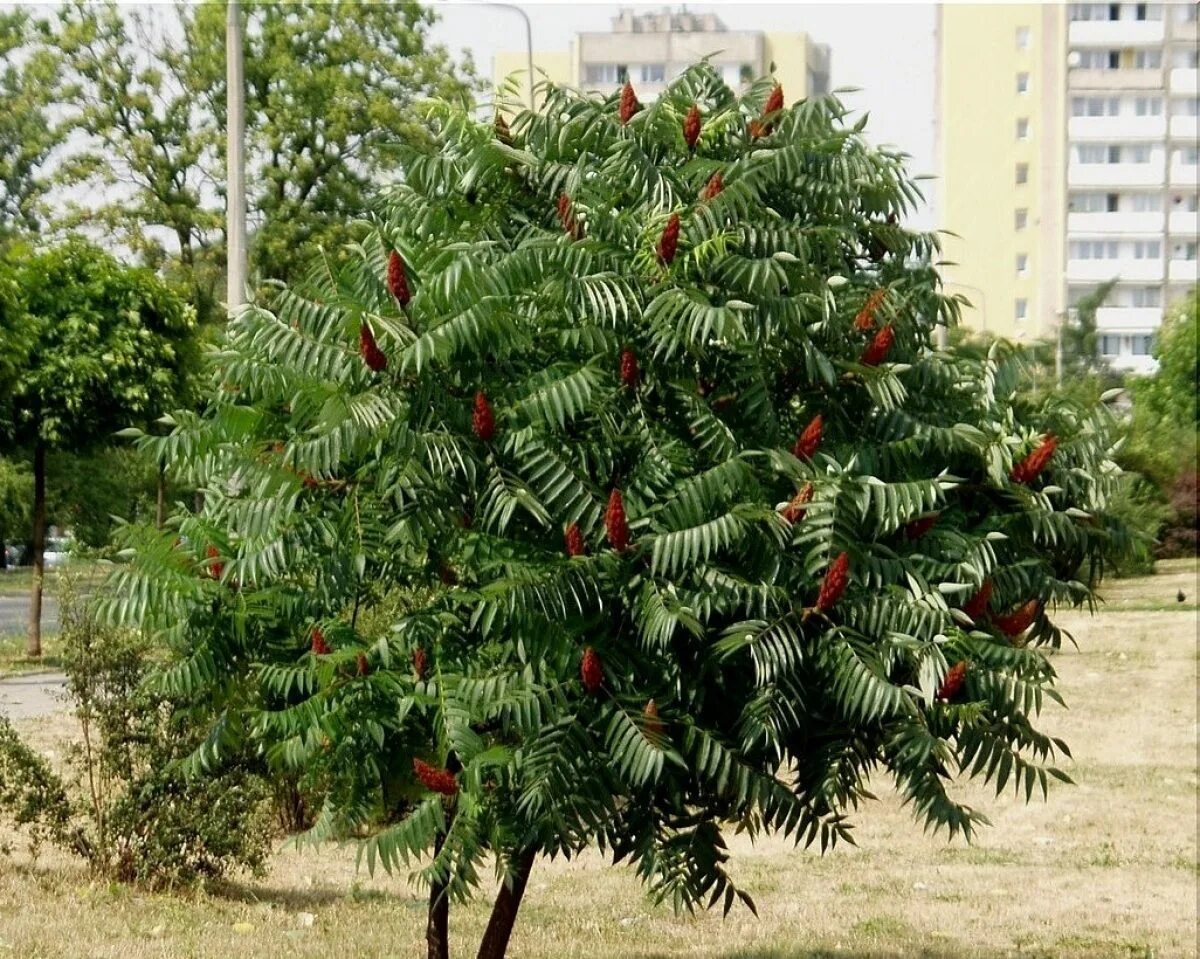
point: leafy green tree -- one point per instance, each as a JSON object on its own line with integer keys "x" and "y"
{"x": 1171, "y": 394}
{"x": 29, "y": 73}
{"x": 638, "y": 408}
{"x": 328, "y": 87}
{"x": 16, "y": 495}
{"x": 91, "y": 346}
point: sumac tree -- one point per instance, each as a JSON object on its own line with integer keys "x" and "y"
{"x": 685, "y": 508}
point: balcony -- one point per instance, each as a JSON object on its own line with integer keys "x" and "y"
{"x": 1118, "y": 174}
{"x": 1184, "y": 80}
{"x": 1123, "y": 80}
{"x": 1184, "y": 128}
{"x": 1102, "y": 224}
{"x": 1184, "y": 223}
{"x": 1115, "y": 33}
{"x": 1117, "y": 128}
{"x": 1097, "y": 271}
{"x": 1130, "y": 363}
{"x": 1183, "y": 271}
{"x": 1128, "y": 319}
{"x": 1184, "y": 175}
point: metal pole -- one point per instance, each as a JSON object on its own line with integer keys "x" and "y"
{"x": 528, "y": 41}
{"x": 235, "y": 131}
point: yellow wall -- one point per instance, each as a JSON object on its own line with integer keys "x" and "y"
{"x": 556, "y": 66}
{"x": 789, "y": 53}
{"x": 978, "y": 111}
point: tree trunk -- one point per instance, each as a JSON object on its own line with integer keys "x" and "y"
{"x": 504, "y": 912}
{"x": 33, "y": 644}
{"x": 160, "y": 508}
{"x": 437, "y": 927}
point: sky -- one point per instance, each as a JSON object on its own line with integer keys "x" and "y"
{"x": 886, "y": 50}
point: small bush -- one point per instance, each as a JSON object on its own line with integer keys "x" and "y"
{"x": 123, "y": 802}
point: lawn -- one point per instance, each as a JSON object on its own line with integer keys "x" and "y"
{"x": 1105, "y": 868}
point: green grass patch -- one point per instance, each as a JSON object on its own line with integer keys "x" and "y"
{"x": 14, "y": 662}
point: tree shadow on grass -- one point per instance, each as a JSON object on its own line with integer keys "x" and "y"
{"x": 950, "y": 951}
{"x": 291, "y": 899}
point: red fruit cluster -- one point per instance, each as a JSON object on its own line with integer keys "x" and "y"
{"x": 654, "y": 725}
{"x": 809, "y": 441}
{"x": 214, "y": 569}
{"x": 877, "y": 350}
{"x": 794, "y": 511}
{"x": 483, "y": 422}
{"x": 629, "y": 103}
{"x": 1019, "y": 620}
{"x": 319, "y": 646}
{"x": 573, "y": 537}
{"x": 616, "y": 526}
{"x": 363, "y": 666}
{"x": 691, "y": 127}
{"x": 566, "y": 217}
{"x": 714, "y": 186}
{"x": 836, "y": 579}
{"x": 420, "y": 661}
{"x": 919, "y": 527}
{"x": 953, "y": 683}
{"x": 865, "y": 318}
{"x": 629, "y": 368}
{"x": 1028, "y": 469}
{"x": 397, "y": 279}
{"x": 591, "y": 670}
{"x": 977, "y": 606}
{"x": 760, "y": 128}
{"x": 434, "y": 779}
{"x": 668, "y": 243}
{"x": 370, "y": 352}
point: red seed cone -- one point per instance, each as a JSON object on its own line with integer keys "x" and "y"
{"x": 714, "y": 186}
{"x": 1019, "y": 620}
{"x": 668, "y": 243}
{"x": 654, "y": 725}
{"x": 566, "y": 217}
{"x": 214, "y": 569}
{"x": 573, "y": 538}
{"x": 319, "y": 646}
{"x": 397, "y": 279}
{"x": 865, "y": 319}
{"x": 977, "y": 606}
{"x": 364, "y": 667}
{"x": 809, "y": 441}
{"x": 503, "y": 133}
{"x": 616, "y": 526}
{"x": 629, "y": 103}
{"x": 691, "y": 127}
{"x": 483, "y": 422}
{"x": 370, "y": 352}
{"x": 420, "y": 660}
{"x": 953, "y": 682}
{"x": 629, "y": 368}
{"x": 836, "y": 579}
{"x": 919, "y": 527}
{"x": 877, "y": 350}
{"x": 774, "y": 101}
{"x": 591, "y": 670}
{"x": 434, "y": 779}
{"x": 759, "y": 129}
{"x": 1028, "y": 469}
{"x": 794, "y": 511}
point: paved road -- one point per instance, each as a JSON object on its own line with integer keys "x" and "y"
{"x": 26, "y": 697}
{"x": 14, "y": 613}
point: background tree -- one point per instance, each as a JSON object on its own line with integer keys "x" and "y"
{"x": 637, "y": 408}
{"x": 16, "y": 496}
{"x": 91, "y": 346}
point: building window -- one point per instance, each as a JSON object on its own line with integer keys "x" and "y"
{"x": 1185, "y": 106}
{"x": 606, "y": 73}
{"x": 1022, "y": 309}
{"x": 1112, "y": 202}
{"x": 1186, "y": 156}
{"x": 1143, "y": 296}
{"x": 654, "y": 72}
{"x": 1187, "y": 203}
{"x": 1138, "y": 153}
{"x": 1142, "y": 345}
{"x": 1022, "y": 173}
{"x": 1021, "y": 219}
{"x": 1184, "y": 251}
{"x": 1185, "y": 59}
{"x": 1099, "y": 59}
{"x": 1114, "y": 11}
{"x": 1139, "y": 11}
{"x": 1147, "y": 106}
{"x": 1023, "y": 128}
{"x": 1022, "y": 83}
{"x": 1185, "y": 13}
{"x": 1091, "y": 153}
{"x": 1147, "y": 250}
{"x": 1147, "y": 202}
{"x": 1147, "y": 59}
{"x": 1086, "y": 203}
{"x": 1022, "y": 38}
{"x": 1109, "y": 345}
{"x": 1093, "y": 250}
{"x": 1022, "y": 264}
{"x": 746, "y": 73}
{"x": 1089, "y": 11}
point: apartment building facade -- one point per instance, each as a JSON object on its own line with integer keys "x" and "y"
{"x": 652, "y": 49}
{"x": 1067, "y": 139}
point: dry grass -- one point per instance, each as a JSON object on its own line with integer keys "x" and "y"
{"x": 1106, "y": 868}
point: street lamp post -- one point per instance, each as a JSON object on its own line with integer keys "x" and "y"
{"x": 528, "y": 40}
{"x": 235, "y": 159}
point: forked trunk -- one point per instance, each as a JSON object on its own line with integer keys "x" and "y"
{"x": 33, "y": 643}
{"x": 504, "y": 912}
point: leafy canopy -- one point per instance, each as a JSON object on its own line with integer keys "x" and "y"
{"x": 379, "y": 571}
